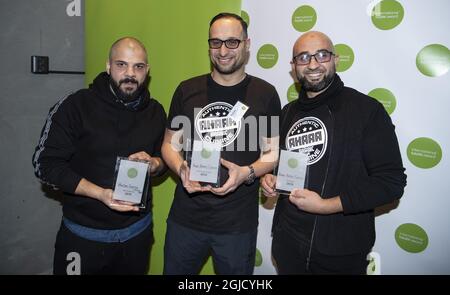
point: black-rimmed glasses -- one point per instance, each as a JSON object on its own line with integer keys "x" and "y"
{"x": 304, "y": 58}
{"x": 215, "y": 43}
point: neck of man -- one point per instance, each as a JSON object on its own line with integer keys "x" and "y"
{"x": 229, "y": 79}
{"x": 311, "y": 94}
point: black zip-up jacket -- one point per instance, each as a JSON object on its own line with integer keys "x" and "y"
{"x": 82, "y": 138}
{"x": 365, "y": 167}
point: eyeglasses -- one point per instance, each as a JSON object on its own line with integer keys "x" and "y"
{"x": 321, "y": 56}
{"x": 215, "y": 43}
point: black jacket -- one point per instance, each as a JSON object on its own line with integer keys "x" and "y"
{"x": 365, "y": 167}
{"x": 82, "y": 137}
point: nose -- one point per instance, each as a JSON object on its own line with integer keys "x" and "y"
{"x": 223, "y": 50}
{"x": 313, "y": 63}
{"x": 130, "y": 71}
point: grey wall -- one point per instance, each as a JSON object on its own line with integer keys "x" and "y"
{"x": 29, "y": 216}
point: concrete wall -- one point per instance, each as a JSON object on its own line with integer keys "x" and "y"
{"x": 30, "y": 215}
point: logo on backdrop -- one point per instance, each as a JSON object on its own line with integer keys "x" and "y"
{"x": 213, "y": 124}
{"x": 267, "y": 56}
{"x": 310, "y": 136}
{"x": 424, "y": 152}
{"x": 74, "y": 8}
{"x": 387, "y": 14}
{"x": 411, "y": 237}
{"x": 433, "y": 60}
{"x": 304, "y": 18}
{"x": 386, "y": 97}
{"x": 346, "y": 57}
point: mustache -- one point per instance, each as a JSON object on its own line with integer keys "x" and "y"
{"x": 128, "y": 80}
{"x": 313, "y": 71}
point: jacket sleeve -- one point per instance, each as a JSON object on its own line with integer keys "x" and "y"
{"x": 161, "y": 130}
{"x": 379, "y": 178}
{"x": 56, "y": 147}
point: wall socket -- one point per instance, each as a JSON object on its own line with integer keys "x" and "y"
{"x": 39, "y": 64}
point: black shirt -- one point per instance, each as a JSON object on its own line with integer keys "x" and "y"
{"x": 308, "y": 131}
{"x": 200, "y": 98}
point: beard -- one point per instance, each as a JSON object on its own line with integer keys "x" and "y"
{"x": 228, "y": 69}
{"x": 127, "y": 95}
{"x": 315, "y": 86}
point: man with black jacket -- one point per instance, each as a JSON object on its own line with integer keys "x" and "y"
{"x": 80, "y": 142}
{"x": 354, "y": 166}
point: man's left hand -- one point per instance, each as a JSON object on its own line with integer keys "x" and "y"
{"x": 308, "y": 201}
{"x": 236, "y": 176}
{"x": 143, "y": 156}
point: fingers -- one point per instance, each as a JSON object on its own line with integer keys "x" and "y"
{"x": 194, "y": 187}
{"x": 183, "y": 168}
{"x": 270, "y": 180}
{"x": 142, "y": 156}
{"x": 295, "y": 200}
{"x": 189, "y": 185}
{"x": 227, "y": 187}
{"x": 122, "y": 206}
{"x": 183, "y": 172}
{"x": 227, "y": 164}
{"x": 268, "y": 185}
{"x": 269, "y": 192}
{"x": 298, "y": 198}
{"x": 298, "y": 193}
{"x": 117, "y": 205}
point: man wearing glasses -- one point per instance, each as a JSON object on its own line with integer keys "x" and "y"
{"x": 205, "y": 219}
{"x": 354, "y": 165}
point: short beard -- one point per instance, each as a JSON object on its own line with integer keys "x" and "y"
{"x": 127, "y": 96}
{"x": 316, "y": 87}
{"x": 227, "y": 71}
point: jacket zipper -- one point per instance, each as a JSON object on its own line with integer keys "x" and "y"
{"x": 308, "y": 259}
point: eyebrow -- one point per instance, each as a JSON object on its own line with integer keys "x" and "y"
{"x": 321, "y": 49}
{"x": 229, "y": 38}
{"x": 122, "y": 61}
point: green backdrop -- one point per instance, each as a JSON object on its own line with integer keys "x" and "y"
{"x": 175, "y": 33}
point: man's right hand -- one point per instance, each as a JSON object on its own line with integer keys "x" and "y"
{"x": 268, "y": 182}
{"x": 107, "y": 198}
{"x": 104, "y": 195}
{"x": 190, "y": 186}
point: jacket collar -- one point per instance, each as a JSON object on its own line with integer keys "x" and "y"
{"x": 103, "y": 89}
{"x": 305, "y": 103}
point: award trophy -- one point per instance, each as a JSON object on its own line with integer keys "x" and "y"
{"x": 291, "y": 172}
{"x": 204, "y": 162}
{"x": 131, "y": 181}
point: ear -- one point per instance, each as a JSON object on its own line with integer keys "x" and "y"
{"x": 292, "y": 66}
{"x": 336, "y": 60}
{"x": 108, "y": 67}
{"x": 247, "y": 44}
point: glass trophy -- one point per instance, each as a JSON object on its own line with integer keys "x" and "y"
{"x": 131, "y": 181}
{"x": 204, "y": 162}
{"x": 291, "y": 172}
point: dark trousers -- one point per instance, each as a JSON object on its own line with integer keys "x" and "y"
{"x": 76, "y": 255}
{"x": 291, "y": 256}
{"x": 186, "y": 250}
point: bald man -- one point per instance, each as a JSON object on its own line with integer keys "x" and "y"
{"x": 82, "y": 138}
{"x": 354, "y": 165}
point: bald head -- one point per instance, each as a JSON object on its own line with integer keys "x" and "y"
{"x": 128, "y": 67}
{"x": 312, "y": 39}
{"x": 314, "y": 62}
{"x": 127, "y": 44}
